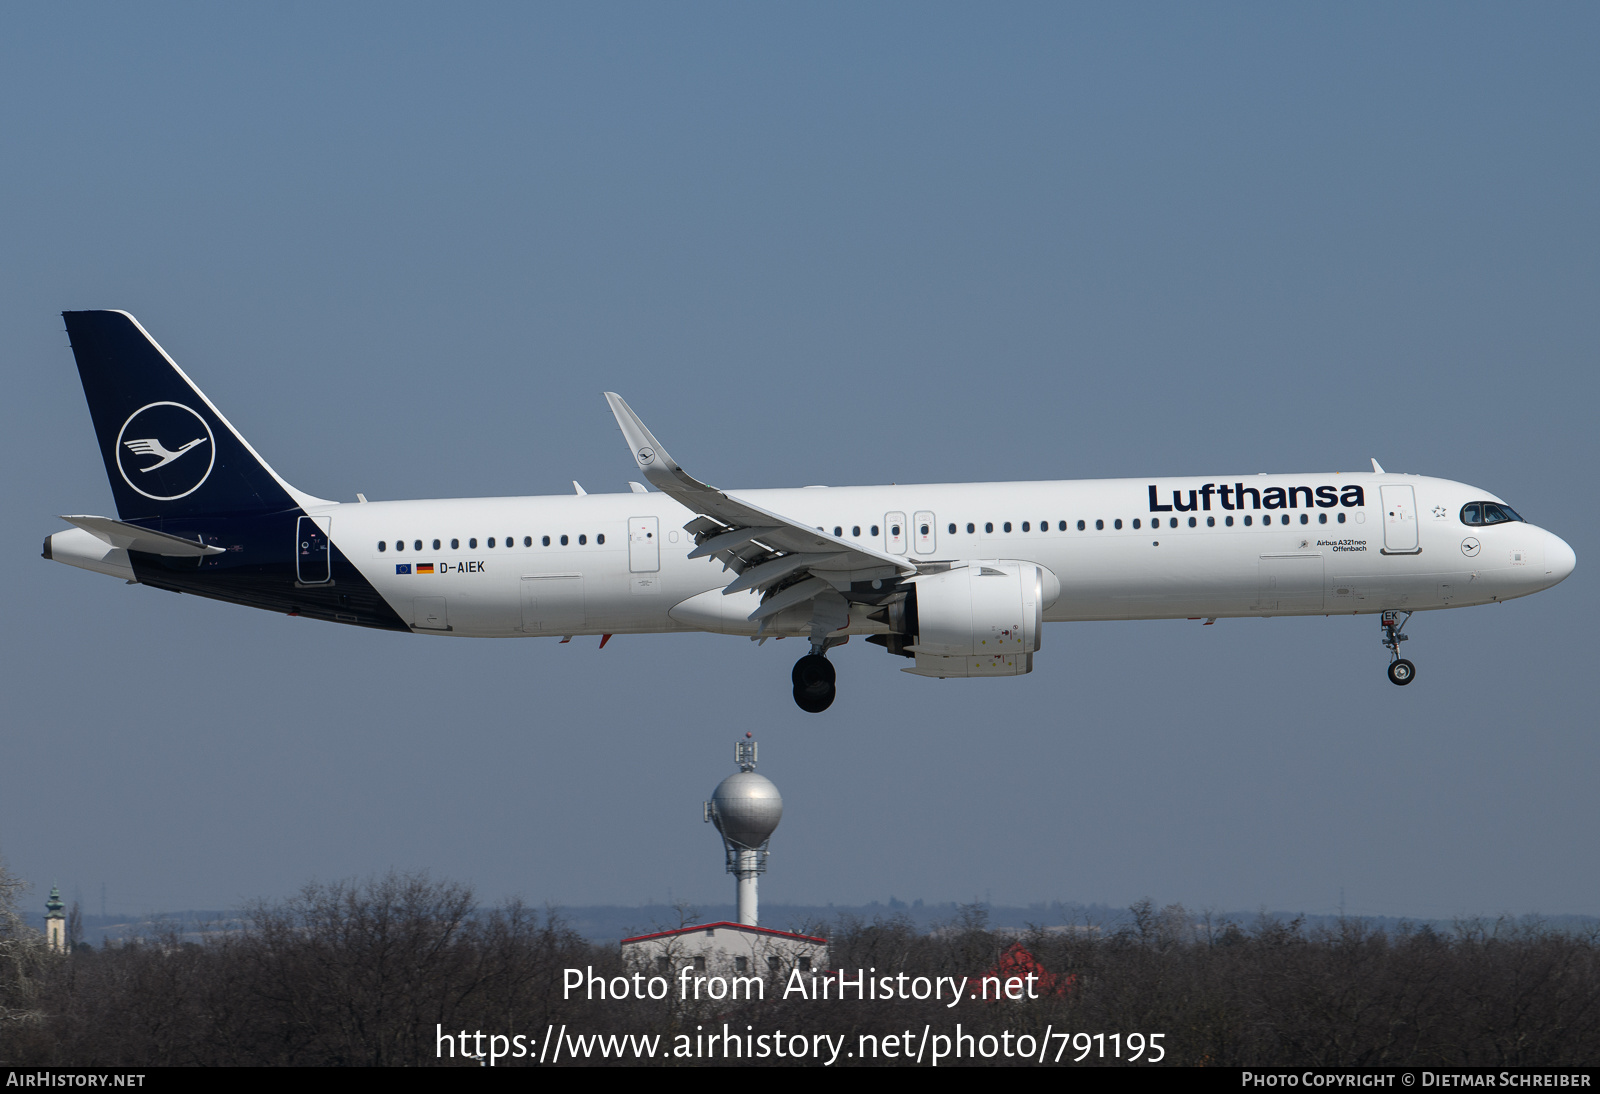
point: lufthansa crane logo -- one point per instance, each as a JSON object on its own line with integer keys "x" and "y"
{"x": 646, "y": 455}
{"x": 165, "y": 451}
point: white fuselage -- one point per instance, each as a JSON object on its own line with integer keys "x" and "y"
{"x": 617, "y": 563}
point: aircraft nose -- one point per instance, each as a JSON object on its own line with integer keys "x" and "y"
{"x": 1559, "y": 559}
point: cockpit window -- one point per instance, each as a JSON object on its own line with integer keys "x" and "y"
{"x": 1487, "y": 512}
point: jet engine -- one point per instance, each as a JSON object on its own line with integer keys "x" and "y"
{"x": 977, "y": 618}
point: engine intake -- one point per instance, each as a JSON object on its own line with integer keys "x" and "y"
{"x": 981, "y": 618}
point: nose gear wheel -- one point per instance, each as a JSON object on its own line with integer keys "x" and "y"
{"x": 1401, "y": 671}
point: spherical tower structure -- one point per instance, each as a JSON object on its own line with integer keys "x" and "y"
{"x": 745, "y": 807}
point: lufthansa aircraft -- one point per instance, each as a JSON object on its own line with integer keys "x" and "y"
{"x": 958, "y": 578}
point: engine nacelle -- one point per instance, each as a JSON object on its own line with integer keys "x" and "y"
{"x": 977, "y": 618}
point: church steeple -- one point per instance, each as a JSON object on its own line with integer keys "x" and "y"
{"x": 55, "y": 924}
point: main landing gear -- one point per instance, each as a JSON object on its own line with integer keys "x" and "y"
{"x": 1401, "y": 671}
{"x": 813, "y": 681}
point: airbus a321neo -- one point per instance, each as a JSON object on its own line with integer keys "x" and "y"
{"x": 958, "y": 579}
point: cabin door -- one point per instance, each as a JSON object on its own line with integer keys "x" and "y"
{"x": 311, "y": 555}
{"x": 1399, "y": 520}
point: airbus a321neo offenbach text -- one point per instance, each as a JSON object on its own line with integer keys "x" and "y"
{"x": 958, "y": 579}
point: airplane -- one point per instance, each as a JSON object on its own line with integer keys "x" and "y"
{"x": 957, "y": 578}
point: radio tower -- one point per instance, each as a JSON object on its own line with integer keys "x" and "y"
{"x": 745, "y": 807}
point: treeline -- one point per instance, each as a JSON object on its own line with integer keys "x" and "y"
{"x": 364, "y": 974}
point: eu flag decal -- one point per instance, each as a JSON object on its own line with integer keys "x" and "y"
{"x": 424, "y": 567}
{"x": 402, "y": 568}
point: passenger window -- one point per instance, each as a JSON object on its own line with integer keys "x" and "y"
{"x": 583, "y": 540}
{"x": 473, "y": 543}
{"x": 383, "y": 545}
{"x": 874, "y": 529}
{"x": 1192, "y": 522}
{"x": 1135, "y": 524}
{"x": 491, "y": 541}
{"x": 1247, "y": 520}
{"x": 399, "y": 545}
{"x": 544, "y": 540}
{"x": 988, "y": 526}
{"x": 1007, "y": 526}
{"x": 1322, "y": 518}
{"x": 527, "y": 541}
{"x": 952, "y": 529}
{"x": 1080, "y": 526}
{"x": 1211, "y": 522}
{"x": 1174, "y": 522}
{"x": 924, "y": 530}
{"x": 971, "y": 528}
{"x": 1063, "y": 526}
{"x": 1099, "y": 526}
{"x": 1284, "y": 519}
{"x": 894, "y": 529}
{"x": 1228, "y": 521}
{"x": 1304, "y": 519}
{"x": 1341, "y": 518}
{"x": 838, "y": 532}
{"x": 601, "y": 538}
{"x": 855, "y": 530}
{"x": 563, "y": 541}
{"x": 1024, "y": 526}
{"x": 455, "y": 545}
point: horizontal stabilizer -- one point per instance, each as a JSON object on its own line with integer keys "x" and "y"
{"x": 130, "y": 537}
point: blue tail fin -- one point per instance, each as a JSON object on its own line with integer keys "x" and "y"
{"x": 169, "y": 452}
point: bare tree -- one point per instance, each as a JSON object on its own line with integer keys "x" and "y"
{"x": 22, "y": 954}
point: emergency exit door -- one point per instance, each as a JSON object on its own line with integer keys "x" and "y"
{"x": 894, "y": 533}
{"x": 644, "y": 545}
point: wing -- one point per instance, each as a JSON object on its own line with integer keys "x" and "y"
{"x": 785, "y": 560}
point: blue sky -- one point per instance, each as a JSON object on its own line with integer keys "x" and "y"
{"x": 406, "y": 247}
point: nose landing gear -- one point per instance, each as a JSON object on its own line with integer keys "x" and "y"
{"x": 1401, "y": 671}
{"x": 813, "y": 683}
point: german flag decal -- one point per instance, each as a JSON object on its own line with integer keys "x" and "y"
{"x": 424, "y": 567}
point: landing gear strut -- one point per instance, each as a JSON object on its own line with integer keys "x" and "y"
{"x": 813, "y": 682}
{"x": 1401, "y": 671}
